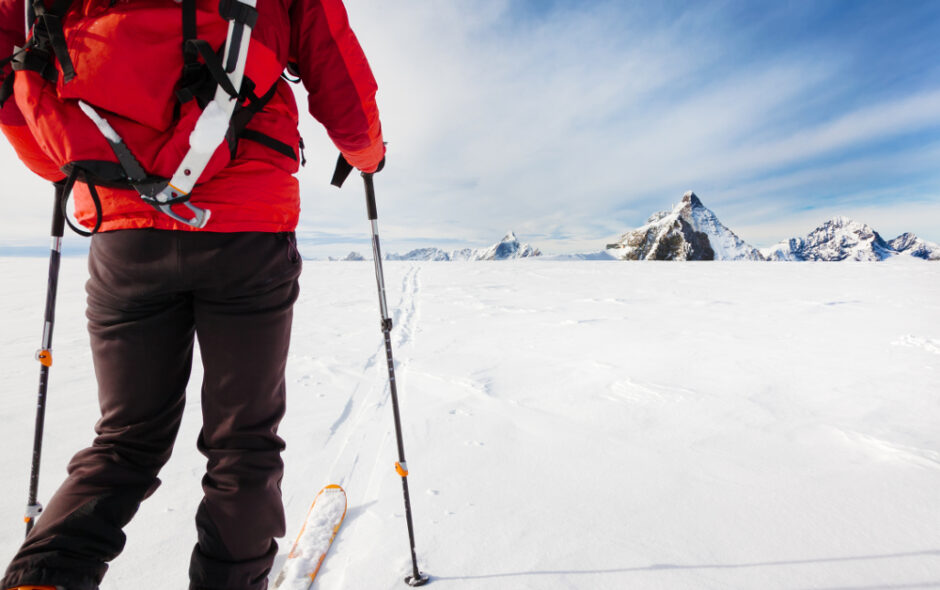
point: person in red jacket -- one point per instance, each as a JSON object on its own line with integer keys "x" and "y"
{"x": 156, "y": 284}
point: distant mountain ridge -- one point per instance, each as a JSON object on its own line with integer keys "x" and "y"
{"x": 908, "y": 243}
{"x": 841, "y": 238}
{"x": 691, "y": 231}
{"x": 506, "y": 249}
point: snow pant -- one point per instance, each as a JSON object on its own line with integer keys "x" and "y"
{"x": 150, "y": 292}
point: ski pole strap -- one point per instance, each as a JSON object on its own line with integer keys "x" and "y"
{"x": 341, "y": 172}
{"x": 62, "y": 205}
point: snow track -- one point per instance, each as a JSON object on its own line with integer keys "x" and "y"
{"x": 361, "y": 440}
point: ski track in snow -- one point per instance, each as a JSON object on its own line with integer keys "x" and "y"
{"x": 927, "y": 344}
{"x": 887, "y": 450}
{"x": 631, "y": 391}
{"x": 366, "y": 453}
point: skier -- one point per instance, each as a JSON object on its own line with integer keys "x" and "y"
{"x": 157, "y": 281}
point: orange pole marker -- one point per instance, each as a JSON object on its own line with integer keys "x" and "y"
{"x": 44, "y": 357}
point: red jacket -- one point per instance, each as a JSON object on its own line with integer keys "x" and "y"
{"x": 255, "y": 191}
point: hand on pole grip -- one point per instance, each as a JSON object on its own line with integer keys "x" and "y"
{"x": 344, "y": 169}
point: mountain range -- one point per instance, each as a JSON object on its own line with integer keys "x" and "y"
{"x": 508, "y": 248}
{"x": 691, "y": 231}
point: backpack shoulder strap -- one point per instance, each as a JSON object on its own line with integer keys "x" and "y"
{"x": 213, "y": 123}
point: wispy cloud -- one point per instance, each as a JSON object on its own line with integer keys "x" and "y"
{"x": 581, "y": 123}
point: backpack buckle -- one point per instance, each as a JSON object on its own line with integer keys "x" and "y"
{"x": 164, "y": 200}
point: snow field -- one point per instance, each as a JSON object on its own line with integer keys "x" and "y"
{"x": 567, "y": 424}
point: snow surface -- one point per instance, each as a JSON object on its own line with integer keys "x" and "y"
{"x": 567, "y": 425}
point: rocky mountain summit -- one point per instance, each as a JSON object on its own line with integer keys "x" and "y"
{"x": 690, "y": 231}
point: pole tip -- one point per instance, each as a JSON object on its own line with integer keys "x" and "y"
{"x": 419, "y": 580}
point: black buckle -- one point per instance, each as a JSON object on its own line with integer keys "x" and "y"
{"x": 238, "y": 12}
{"x": 35, "y": 60}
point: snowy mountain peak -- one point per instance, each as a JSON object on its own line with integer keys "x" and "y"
{"x": 689, "y": 232}
{"x": 839, "y": 238}
{"x": 508, "y": 247}
{"x": 690, "y": 198}
{"x": 908, "y": 243}
{"x": 846, "y": 223}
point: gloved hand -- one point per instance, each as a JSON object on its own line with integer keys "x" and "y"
{"x": 344, "y": 168}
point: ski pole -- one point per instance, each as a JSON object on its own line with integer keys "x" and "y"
{"x": 44, "y": 354}
{"x": 416, "y": 578}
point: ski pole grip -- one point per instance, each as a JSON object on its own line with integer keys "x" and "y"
{"x": 341, "y": 172}
{"x": 370, "y": 196}
{"x": 58, "y": 211}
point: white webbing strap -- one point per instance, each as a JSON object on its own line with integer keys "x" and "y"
{"x": 210, "y": 129}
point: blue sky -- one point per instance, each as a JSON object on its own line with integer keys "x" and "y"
{"x": 572, "y": 122}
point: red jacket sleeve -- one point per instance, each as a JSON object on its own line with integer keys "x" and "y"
{"x": 337, "y": 77}
{"x": 12, "y": 33}
{"x": 12, "y": 124}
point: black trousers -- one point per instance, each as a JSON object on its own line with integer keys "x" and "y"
{"x": 150, "y": 293}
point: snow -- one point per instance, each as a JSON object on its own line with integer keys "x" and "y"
{"x": 567, "y": 425}
{"x": 724, "y": 242}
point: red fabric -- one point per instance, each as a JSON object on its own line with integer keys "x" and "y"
{"x": 12, "y": 33}
{"x": 254, "y": 192}
{"x": 338, "y": 79}
{"x": 30, "y": 153}
{"x": 12, "y": 123}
